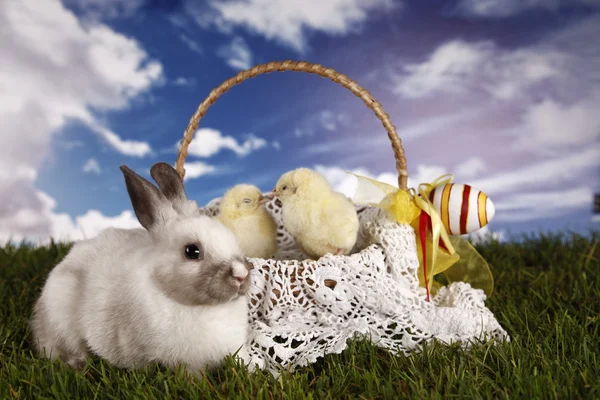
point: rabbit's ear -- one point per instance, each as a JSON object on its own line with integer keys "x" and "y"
{"x": 146, "y": 199}
{"x": 169, "y": 182}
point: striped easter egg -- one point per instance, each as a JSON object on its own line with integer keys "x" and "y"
{"x": 463, "y": 209}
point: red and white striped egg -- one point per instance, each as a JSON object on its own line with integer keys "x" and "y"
{"x": 462, "y": 208}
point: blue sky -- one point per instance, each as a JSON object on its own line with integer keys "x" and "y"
{"x": 504, "y": 94}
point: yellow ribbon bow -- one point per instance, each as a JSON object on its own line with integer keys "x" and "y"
{"x": 413, "y": 207}
{"x": 433, "y": 259}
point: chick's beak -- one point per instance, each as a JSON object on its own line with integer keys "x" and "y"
{"x": 272, "y": 194}
{"x": 264, "y": 199}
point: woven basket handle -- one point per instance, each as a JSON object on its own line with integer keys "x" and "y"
{"x": 297, "y": 66}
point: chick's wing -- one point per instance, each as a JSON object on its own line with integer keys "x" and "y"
{"x": 340, "y": 220}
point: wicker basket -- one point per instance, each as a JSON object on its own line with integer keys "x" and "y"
{"x": 296, "y": 66}
{"x": 301, "y": 309}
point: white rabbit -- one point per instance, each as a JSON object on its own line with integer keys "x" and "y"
{"x": 173, "y": 293}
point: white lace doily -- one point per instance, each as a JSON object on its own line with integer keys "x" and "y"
{"x": 295, "y": 318}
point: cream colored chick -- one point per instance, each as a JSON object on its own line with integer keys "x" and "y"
{"x": 241, "y": 210}
{"x": 321, "y": 220}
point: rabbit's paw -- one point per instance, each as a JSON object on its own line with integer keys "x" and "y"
{"x": 76, "y": 361}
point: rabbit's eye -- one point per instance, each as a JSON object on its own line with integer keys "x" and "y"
{"x": 193, "y": 252}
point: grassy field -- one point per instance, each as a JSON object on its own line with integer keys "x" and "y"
{"x": 547, "y": 296}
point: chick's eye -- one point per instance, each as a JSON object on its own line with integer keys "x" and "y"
{"x": 193, "y": 252}
{"x": 247, "y": 201}
{"x": 284, "y": 187}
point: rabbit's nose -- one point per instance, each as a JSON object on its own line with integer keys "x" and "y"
{"x": 239, "y": 271}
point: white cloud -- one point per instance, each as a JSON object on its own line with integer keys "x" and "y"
{"x": 25, "y": 223}
{"x": 71, "y": 144}
{"x": 197, "y": 169}
{"x": 98, "y": 9}
{"x": 435, "y": 124}
{"x": 563, "y": 65}
{"x": 276, "y": 145}
{"x": 93, "y": 222}
{"x": 298, "y": 132}
{"x": 328, "y": 121}
{"x": 288, "y": 22}
{"x": 543, "y": 204}
{"x": 552, "y": 87}
{"x": 182, "y": 81}
{"x": 331, "y": 121}
{"x": 19, "y": 172}
{"x": 236, "y": 54}
{"x": 458, "y": 66}
{"x": 470, "y": 168}
{"x": 191, "y": 44}
{"x": 92, "y": 165}
{"x": 132, "y": 148}
{"x": 506, "y": 8}
{"x": 208, "y": 141}
{"x": 252, "y": 143}
{"x": 121, "y": 62}
{"x": 55, "y": 69}
{"x": 185, "y": 82}
{"x": 445, "y": 69}
{"x": 564, "y": 198}
{"x": 556, "y": 171}
{"x": 551, "y": 124}
{"x": 425, "y": 174}
{"x": 325, "y": 120}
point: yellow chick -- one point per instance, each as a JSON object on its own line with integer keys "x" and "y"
{"x": 241, "y": 210}
{"x": 322, "y": 220}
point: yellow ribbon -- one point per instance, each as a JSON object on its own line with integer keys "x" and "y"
{"x": 471, "y": 267}
{"x": 438, "y": 230}
{"x": 456, "y": 263}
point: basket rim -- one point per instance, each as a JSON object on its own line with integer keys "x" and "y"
{"x": 297, "y": 66}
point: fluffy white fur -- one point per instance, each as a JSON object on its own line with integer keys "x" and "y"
{"x": 111, "y": 296}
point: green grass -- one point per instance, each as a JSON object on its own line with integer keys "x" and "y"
{"x": 547, "y": 296}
